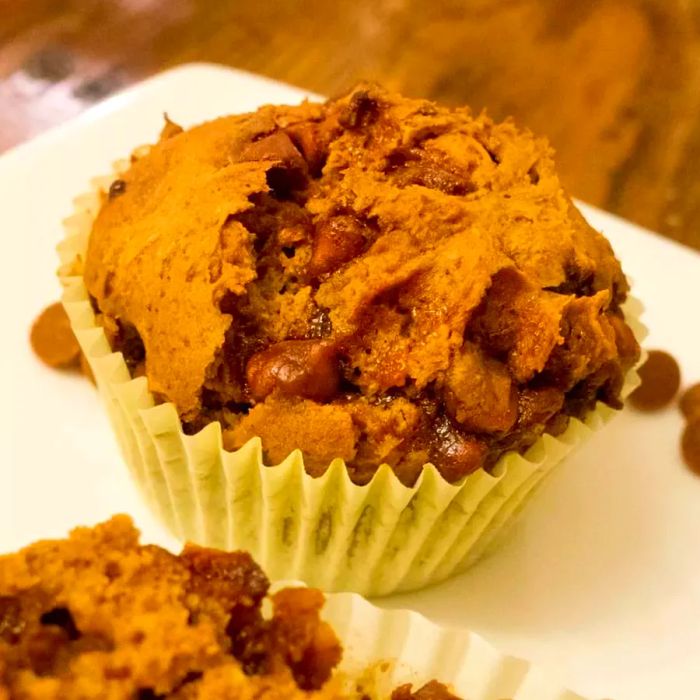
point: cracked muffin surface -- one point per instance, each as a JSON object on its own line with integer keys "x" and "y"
{"x": 374, "y": 278}
{"x": 99, "y": 616}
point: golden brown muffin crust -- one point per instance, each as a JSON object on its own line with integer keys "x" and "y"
{"x": 306, "y": 266}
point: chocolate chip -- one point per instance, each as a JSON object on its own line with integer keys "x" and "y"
{"x": 290, "y": 171}
{"x": 61, "y": 617}
{"x": 116, "y": 188}
{"x": 337, "y": 240}
{"x": 283, "y": 181}
{"x": 493, "y": 156}
{"x": 428, "y": 168}
{"x": 361, "y": 111}
{"x": 579, "y": 281}
{"x": 661, "y": 378}
{"x": 690, "y": 402}
{"x": 304, "y": 368}
{"x": 52, "y": 338}
{"x": 130, "y": 344}
{"x": 453, "y": 453}
{"x": 534, "y": 174}
{"x": 112, "y": 570}
{"x": 690, "y": 445}
{"x": 537, "y": 406}
{"x": 313, "y": 140}
{"x": 275, "y": 147}
{"x": 148, "y": 694}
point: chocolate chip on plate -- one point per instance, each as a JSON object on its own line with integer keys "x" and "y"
{"x": 690, "y": 402}
{"x": 690, "y": 445}
{"x": 52, "y": 338}
{"x": 661, "y": 379}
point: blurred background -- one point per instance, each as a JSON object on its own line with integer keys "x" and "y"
{"x": 614, "y": 84}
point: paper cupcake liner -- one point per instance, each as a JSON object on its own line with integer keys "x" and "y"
{"x": 386, "y": 648}
{"x": 375, "y": 539}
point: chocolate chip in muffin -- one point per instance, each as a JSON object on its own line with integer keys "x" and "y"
{"x": 337, "y": 240}
{"x": 361, "y": 110}
{"x": 306, "y": 369}
{"x": 116, "y": 188}
{"x": 129, "y": 342}
{"x": 61, "y": 617}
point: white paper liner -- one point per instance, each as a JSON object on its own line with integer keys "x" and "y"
{"x": 417, "y": 651}
{"x": 376, "y": 539}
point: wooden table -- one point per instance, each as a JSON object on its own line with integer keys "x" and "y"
{"x": 615, "y": 84}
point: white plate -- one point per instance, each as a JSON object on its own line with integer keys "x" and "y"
{"x": 601, "y": 580}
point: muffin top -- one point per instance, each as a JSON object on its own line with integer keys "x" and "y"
{"x": 374, "y": 278}
{"x": 99, "y": 616}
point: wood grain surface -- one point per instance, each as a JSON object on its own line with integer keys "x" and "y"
{"x": 615, "y": 84}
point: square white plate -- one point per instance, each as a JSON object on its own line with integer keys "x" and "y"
{"x": 601, "y": 579}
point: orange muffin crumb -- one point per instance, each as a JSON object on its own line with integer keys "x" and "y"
{"x": 375, "y": 278}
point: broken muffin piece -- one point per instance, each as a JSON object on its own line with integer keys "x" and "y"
{"x": 99, "y": 615}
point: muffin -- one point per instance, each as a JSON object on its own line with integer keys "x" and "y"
{"x": 100, "y": 616}
{"x": 377, "y": 280}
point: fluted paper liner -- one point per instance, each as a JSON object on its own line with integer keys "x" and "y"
{"x": 375, "y": 539}
{"x": 386, "y": 648}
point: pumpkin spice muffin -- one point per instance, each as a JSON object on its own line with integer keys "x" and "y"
{"x": 374, "y": 278}
{"x": 98, "y": 615}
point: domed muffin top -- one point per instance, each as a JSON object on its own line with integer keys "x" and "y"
{"x": 381, "y": 266}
